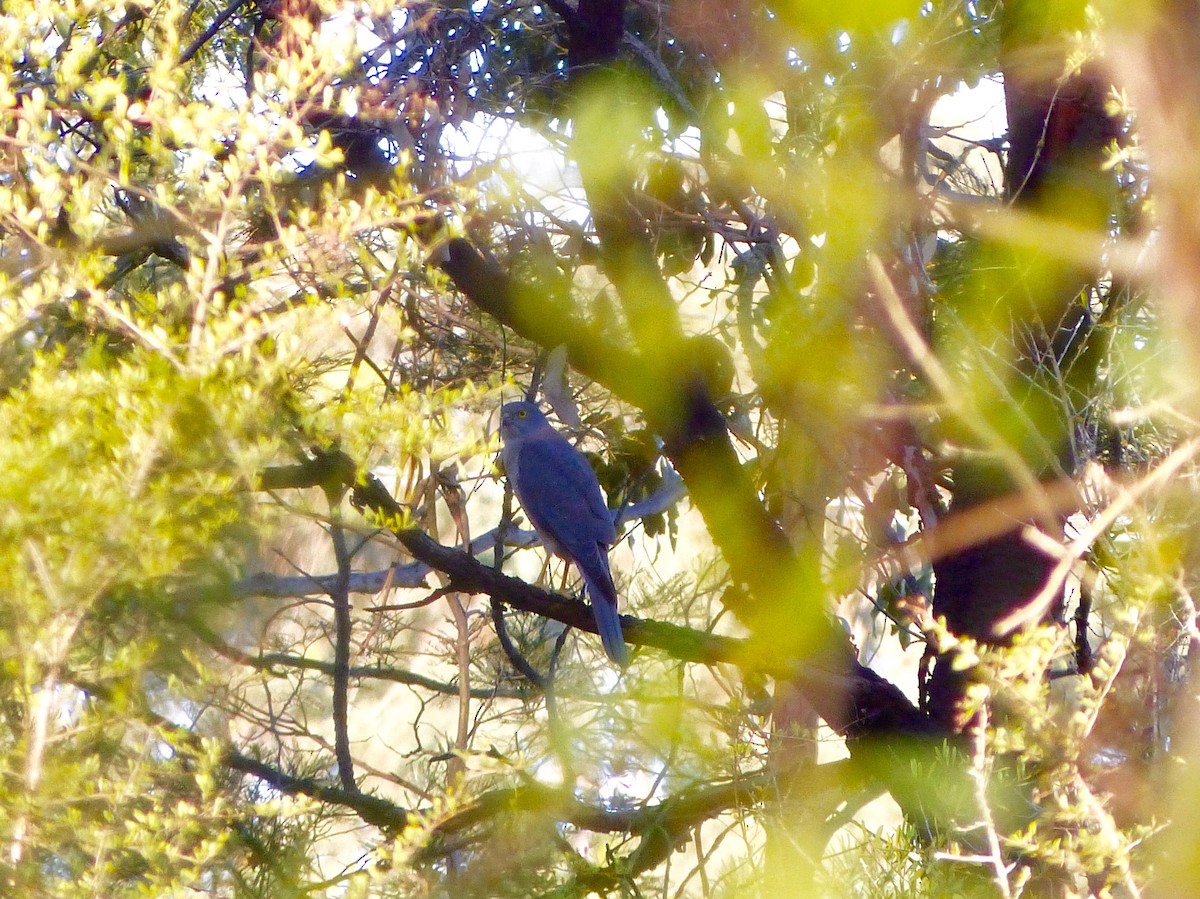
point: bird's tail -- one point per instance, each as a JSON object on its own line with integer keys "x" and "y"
{"x": 608, "y": 623}
{"x": 602, "y": 594}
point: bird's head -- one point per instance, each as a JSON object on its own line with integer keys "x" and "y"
{"x": 521, "y": 419}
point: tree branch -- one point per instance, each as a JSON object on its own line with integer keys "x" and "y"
{"x": 381, "y": 813}
{"x": 205, "y": 36}
{"x": 415, "y": 574}
{"x": 271, "y": 660}
{"x": 340, "y": 594}
{"x": 661, "y": 825}
{"x": 374, "y": 810}
{"x": 855, "y": 701}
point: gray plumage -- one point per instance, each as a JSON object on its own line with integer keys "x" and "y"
{"x": 561, "y": 497}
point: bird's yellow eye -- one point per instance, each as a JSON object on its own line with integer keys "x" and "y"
{"x": 522, "y": 413}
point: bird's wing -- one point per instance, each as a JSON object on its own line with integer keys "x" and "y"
{"x": 561, "y": 495}
{"x": 562, "y": 498}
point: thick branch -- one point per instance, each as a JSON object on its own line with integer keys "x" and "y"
{"x": 468, "y": 575}
{"x": 331, "y": 468}
{"x": 546, "y": 319}
{"x": 672, "y": 816}
{"x": 661, "y": 825}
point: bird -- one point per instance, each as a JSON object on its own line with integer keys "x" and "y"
{"x": 562, "y": 500}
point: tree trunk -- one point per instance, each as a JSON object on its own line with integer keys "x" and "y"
{"x": 1058, "y": 134}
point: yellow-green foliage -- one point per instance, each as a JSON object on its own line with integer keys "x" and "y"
{"x": 168, "y": 292}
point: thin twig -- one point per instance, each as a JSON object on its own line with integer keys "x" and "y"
{"x": 979, "y": 777}
{"x": 453, "y": 496}
{"x": 340, "y": 595}
{"x": 270, "y": 661}
{"x": 497, "y": 608}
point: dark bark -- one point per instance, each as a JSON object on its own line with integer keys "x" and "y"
{"x": 1059, "y": 131}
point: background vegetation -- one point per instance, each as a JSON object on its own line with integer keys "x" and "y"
{"x": 877, "y": 320}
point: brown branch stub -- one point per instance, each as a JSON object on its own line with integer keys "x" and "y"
{"x": 327, "y": 469}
